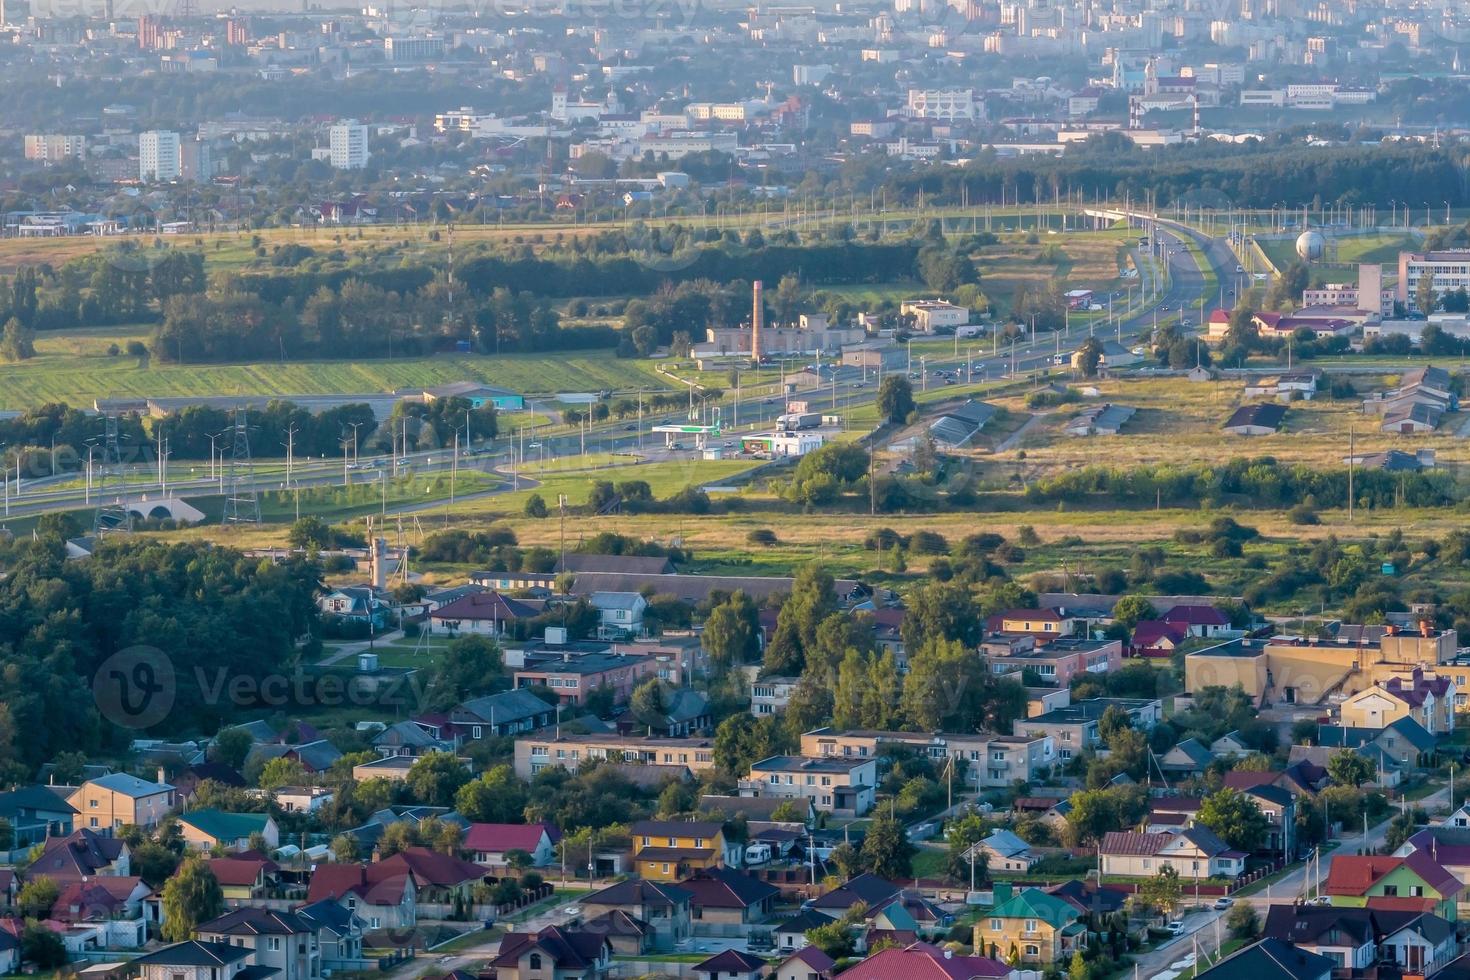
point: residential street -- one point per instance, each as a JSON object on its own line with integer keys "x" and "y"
{"x": 1201, "y": 925}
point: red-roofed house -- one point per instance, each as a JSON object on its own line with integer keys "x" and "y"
{"x": 101, "y": 899}
{"x": 554, "y": 953}
{"x": 1199, "y": 620}
{"x": 490, "y": 842}
{"x": 1414, "y": 883}
{"x": 1156, "y": 638}
{"x": 922, "y": 961}
{"x": 732, "y": 964}
{"x": 243, "y": 878}
{"x": 808, "y": 963}
{"x": 440, "y": 877}
{"x": 484, "y": 613}
{"x": 382, "y": 896}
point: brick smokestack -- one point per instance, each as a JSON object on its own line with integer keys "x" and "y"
{"x": 757, "y": 313}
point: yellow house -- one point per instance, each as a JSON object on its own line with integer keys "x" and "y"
{"x": 1031, "y": 928}
{"x": 670, "y": 850}
{"x": 119, "y": 800}
{"x": 1428, "y": 700}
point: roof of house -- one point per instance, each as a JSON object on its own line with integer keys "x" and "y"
{"x": 1033, "y": 903}
{"x": 1354, "y": 874}
{"x": 377, "y": 884}
{"x": 488, "y": 607}
{"x": 1267, "y": 415}
{"x": 80, "y": 854}
{"x": 432, "y": 868}
{"x": 623, "y": 564}
{"x": 867, "y": 888}
{"x": 330, "y": 915}
{"x": 251, "y": 921}
{"x": 1300, "y": 924}
{"x": 921, "y": 961}
{"x": 1271, "y": 959}
{"x": 1193, "y": 615}
{"x": 240, "y": 871}
{"x": 225, "y": 826}
{"x": 37, "y": 798}
{"x": 1005, "y": 843}
{"x": 215, "y": 771}
{"x": 731, "y": 961}
{"x": 1089, "y": 897}
{"x": 639, "y": 892}
{"x": 316, "y": 756}
{"x": 130, "y": 785}
{"x": 98, "y": 898}
{"x": 721, "y": 887}
{"x": 813, "y": 957}
{"x": 194, "y": 952}
{"x": 676, "y": 828}
{"x": 503, "y": 708}
{"x": 500, "y": 837}
{"x": 1195, "y": 754}
{"x": 616, "y": 922}
{"x": 1149, "y": 632}
{"x": 805, "y": 920}
{"x": 569, "y": 949}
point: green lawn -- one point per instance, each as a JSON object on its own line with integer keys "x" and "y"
{"x": 930, "y": 862}
{"x": 79, "y": 379}
{"x": 664, "y": 479}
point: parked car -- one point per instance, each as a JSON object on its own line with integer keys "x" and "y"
{"x": 1224, "y": 902}
{"x": 1175, "y": 928}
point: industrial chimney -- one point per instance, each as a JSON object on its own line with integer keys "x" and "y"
{"x": 378, "y": 559}
{"x": 757, "y": 313}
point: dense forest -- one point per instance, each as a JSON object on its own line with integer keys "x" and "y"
{"x": 186, "y": 606}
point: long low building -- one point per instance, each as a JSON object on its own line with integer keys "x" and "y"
{"x": 678, "y": 755}
{"x": 841, "y": 785}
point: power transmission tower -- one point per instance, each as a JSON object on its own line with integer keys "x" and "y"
{"x": 112, "y": 513}
{"x": 242, "y": 503}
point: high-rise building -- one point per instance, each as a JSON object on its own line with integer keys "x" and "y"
{"x": 158, "y": 155}
{"x": 348, "y": 142}
{"x": 237, "y": 31}
{"x": 150, "y": 32}
{"x": 54, "y": 147}
{"x": 196, "y": 161}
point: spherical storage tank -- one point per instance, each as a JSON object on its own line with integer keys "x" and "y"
{"x": 1309, "y": 245}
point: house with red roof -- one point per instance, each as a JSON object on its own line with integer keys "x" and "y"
{"x": 244, "y": 877}
{"x": 732, "y": 964}
{"x": 1155, "y": 638}
{"x": 439, "y": 877}
{"x": 922, "y": 961}
{"x": 116, "y": 899}
{"x": 1198, "y": 620}
{"x": 383, "y": 896}
{"x": 726, "y": 896}
{"x": 807, "y": 963}
{"x": 1417, "y": 883}
{"x": 81, "y": 855}
{"x": 554, "y": 953}
{"x": 489, "y": 843}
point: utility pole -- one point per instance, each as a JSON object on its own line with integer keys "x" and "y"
{"x": 1352, "y": 460}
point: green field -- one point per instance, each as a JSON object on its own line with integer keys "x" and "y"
{"x": 1350, "y": 250}
{"x": 80, "y": 378}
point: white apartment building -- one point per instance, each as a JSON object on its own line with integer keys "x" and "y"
{"x": 1450, "y": 269}
{"x": 348, "y": 144}
{"x": 949, "y": 103}
{"x": 158, "y": 155}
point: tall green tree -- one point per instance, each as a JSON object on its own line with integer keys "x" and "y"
{"x": 887, "y": 851}
{"x": 190, "y": 897}
{"x": 471, "y": 666}
{"x": 1236, "y": 818}
{"x": 812, "y": 599}
{"x": 731, "y": 634}
{"x": 895, "y": 399}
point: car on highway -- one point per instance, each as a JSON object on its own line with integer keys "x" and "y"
{"x": 630, "y": 427}
{"x": 534, "y": 445}
{"x": 1239, "y": 269}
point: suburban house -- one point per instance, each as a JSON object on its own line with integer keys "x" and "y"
{"x": 1416, "y": 881}
{"x": 302, "y": 799}
{"x": 1430, "y": 701}
{"x": 438, "y": 877}
{"x": 1271, "y": 959}
{"x": 116, "y": 902}
{"x": 1005, "y": 852}
{"x": 1195, "y": 852}
{"x": 770, "y": 695}
{"x": 1201, "y": 621}
{"x": 922, "y": 961}
{"x": 1043, "y": 624}
{"x": 34, "y": 814}
{"x": 619, "y": 613}
{"x": 501, "y": 715}
{"x": 1278, "y": 805}
{"x": 406, "y": 738}
{"x": 1155, "y": 638}
{"x": 483, "y": 614}
{"x": 116, "y": 800}
{"x": 667, "y": 850}
{"x": 207, "y": 829}
{"x": 339, "y": 935}
{"x": 791, "y": 933}
{"x": 807, "y": 963}
{"x": 553, "y": 953}
{"x": 359, "y": 605}
{"x": 382, "y": 897}
{"x": 1031, "y": 927}
{"x": 1189, "y": 755}
{"x": 724, "y": 896}
{"x": 888, "y": 906}
{"x": 243, "y": 878}
{"x": 663, "y": 907}
{"x": 197, "y": 960}
{"x": 489, "y": 843}
{"x": 838, "y": 785}
{"x": 1359, "y": 938}
{"x": 80, "y": 855}
{"x": 573, "y": 678}
{"x": 732, "y": 964}
{"x": 281, "y": 941}
{"x": 1256, "y": 419}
